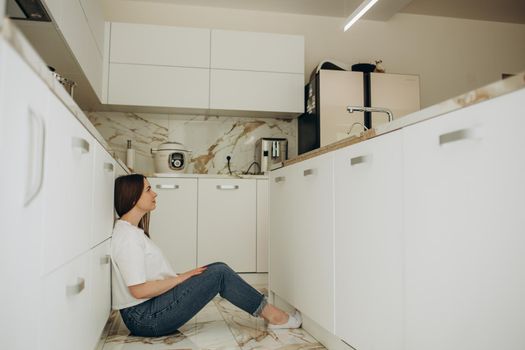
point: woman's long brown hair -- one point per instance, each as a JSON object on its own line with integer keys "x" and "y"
{"x": 128, "y": 189}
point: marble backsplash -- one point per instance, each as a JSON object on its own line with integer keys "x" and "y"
{"x": 210, "y": 138}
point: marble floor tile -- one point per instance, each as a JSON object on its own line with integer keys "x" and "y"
{"x": 219, "y": 325}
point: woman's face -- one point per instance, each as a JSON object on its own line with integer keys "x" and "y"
{"x": 147, "y": 200}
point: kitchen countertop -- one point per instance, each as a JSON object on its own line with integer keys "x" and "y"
{"x": 210, "y": 176}
{"x": 487, "y": 92}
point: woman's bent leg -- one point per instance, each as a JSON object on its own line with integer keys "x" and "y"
{"x": 166, "y": 313}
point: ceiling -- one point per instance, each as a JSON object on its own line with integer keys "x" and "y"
{"x": 512, "y": 11}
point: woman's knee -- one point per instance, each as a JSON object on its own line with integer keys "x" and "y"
{"x": 219, "y": 267}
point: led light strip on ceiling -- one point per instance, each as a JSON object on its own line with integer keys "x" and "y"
{"x": 358, "y": 13}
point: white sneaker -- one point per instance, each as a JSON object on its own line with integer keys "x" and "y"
{"x": 294, "y": 321}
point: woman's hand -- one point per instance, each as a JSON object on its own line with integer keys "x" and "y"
{"x": 188, "y": 274}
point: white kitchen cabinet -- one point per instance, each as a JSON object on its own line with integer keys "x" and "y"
{"x": 65, "y": 307}
{"x": 314, "y": 239}
{"x": 160, "y": 45}
{"x": 464, "y": 205}
{"x": 173, "y": 225}
{"x": 267, "y": 52}
{"x": 100, "y": 291}
{"x": 68, "y": 181}
{"x": 301, "y": 237}
{"x": 368, "y": 183}
{"x": 281, "y": 242}
{"x": 262, "y": 225}
{"x": 163, "y": 86}
{"x": 103, "y": 191}
{"x": 227, "y": 223}
{"x": 256, "y": 91}
{"x": 23, "y": 110}
{"x": 95, "y": 19}
{"x": 76, "y": 31}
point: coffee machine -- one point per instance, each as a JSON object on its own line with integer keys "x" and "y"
{"x": 270, "y": 153}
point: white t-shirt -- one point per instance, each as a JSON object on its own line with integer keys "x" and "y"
{"x": 135, "y": 260}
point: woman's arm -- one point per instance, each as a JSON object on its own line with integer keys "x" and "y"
{"x": 152, "y": 289}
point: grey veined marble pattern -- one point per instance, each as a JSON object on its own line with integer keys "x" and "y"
{"x": 209, "y": 138}
{"x": 219, "y": 325}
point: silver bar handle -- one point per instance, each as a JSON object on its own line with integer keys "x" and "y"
{"x": 35, "y": 173}
{"x": 108, "y": 167}
{"x": 80, "y": 143}
{"x": 105, "y": 259}
{"x": 457, "y": 135}
{"x": 167, "y": 187}
{"x": 308, "y": 172}
{"x": 359, "y": 160}
{"x": 280, "y": 179}
{"x": 227, "y": 187}
{"x": 77, "y": 288}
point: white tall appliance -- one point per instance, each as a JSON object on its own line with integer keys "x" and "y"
{"x": 329, "y": 92}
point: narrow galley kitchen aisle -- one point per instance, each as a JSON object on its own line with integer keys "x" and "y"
{"x": 219, "y": 325}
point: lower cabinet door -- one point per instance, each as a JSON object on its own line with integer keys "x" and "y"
{"x": 227, "y": 223}
{"x": 100, "y": 265}
{"x": 464, "y": 227}
{"x": 66, "y": 304}
{"x": 282, "y": 221}
{"x": 312, "y": 247}
{"x": 369, "y": 243}
{"x": 262, "y": 225}
{"x": 103, "y": 185}
{"x": 173, "y": 224}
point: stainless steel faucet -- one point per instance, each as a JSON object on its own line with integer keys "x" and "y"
{"x": 352, "y": 109}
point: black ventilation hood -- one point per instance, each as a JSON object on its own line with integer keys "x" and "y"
{"x": 31, "y": 10}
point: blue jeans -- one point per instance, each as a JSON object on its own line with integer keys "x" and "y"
{"x": 164, "y": 314}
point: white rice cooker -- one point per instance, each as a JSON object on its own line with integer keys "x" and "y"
{"x": 171, "y": 157}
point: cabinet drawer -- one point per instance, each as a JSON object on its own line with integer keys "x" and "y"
{"x": 100, "y": 305}
{"x": 103, "y": 188}
{"x": 256, "y": 91}
{"x": 67, "y": 187}
{"x": 65, "y": 311}
{"x": 173, "y": 225}
{"x": 160, "y": 45}
{"x": 142, "y": 85}
{"x": 227, "y": 224}
{"x": 266, "y": 52}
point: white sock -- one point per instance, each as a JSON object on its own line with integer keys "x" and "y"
{"x": 294, "y": 321}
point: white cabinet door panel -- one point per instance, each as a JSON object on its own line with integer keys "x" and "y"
{"x": 266, "y": 52}
{"x": 314, "y": 239}
{"x": 464, "y": 203}
{"x": 227, "y": 223}
{"x": 262, "y": 225}
{"x": 100, "y": 306}
{"x": 76, "y": 31}
{"x": 369, "y": 243}
{"x": 281, "y": 264}
{"x": 23, "y": 109}
{"x": 142, "y": 85}
{"x": 173, "y": 224}
{"x": 257, "y": 91}
{"x": 103, "y": 188}
{"x": 68, "y": 183}
{"x": 160, "y": 45}
{"x": 95, "y": 18}
{"x": 64, "y": 316}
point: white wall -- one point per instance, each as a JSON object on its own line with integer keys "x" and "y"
{"x": 451, "y": 56}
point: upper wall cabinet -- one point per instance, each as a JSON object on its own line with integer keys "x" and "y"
{"x": 160, "y": 45}
{"x": 82, "y": 25}
{"x": 257, "y": 51}
{"x": 197, "y": 69}
{"x": 257, "y": 72}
